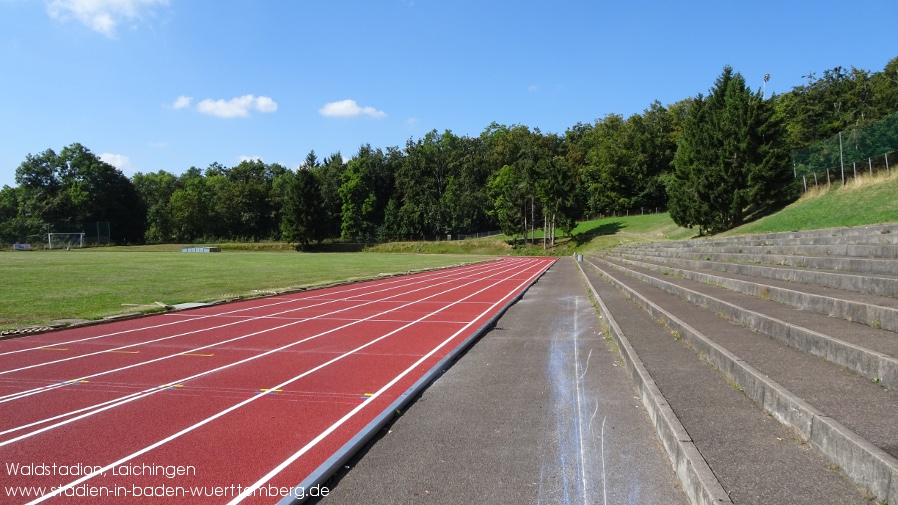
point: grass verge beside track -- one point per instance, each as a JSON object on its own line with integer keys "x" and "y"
{"x": 44, "y": 286}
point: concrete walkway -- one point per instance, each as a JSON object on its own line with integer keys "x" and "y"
{"x": 540, "y": 410}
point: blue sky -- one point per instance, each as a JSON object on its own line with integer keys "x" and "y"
{"x": 168, "y": 84}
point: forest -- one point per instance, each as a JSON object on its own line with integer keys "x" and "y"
{"x": 712, "y": 160}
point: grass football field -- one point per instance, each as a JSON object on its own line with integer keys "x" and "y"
{"x": 44, "y": 286}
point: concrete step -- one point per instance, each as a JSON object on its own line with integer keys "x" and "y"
{"x": 755, "y": 458}
{"x": 880, "y": 285}
{"x": 879, "y": 312}
{"x": 888, "y": 251}
{"x": 753, "y": 240}
{"x": 865, "y": 350}
{"x": 851, "y": 231}
{"x": 866, "y": 266}
{"x": 838, "y": 412}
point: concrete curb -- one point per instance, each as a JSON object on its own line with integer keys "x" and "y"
{"x": 868, "y": 466}
{"x": 871, "y": 364}
{"x": 699, "y": 482}
{"x": 339, "y": 458}
{"x": 865, "y": 313}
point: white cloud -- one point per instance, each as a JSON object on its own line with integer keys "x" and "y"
{"x": 250, "y": 158}
{"x": 182, "y": 102}
{"x": 121, "y": 162}
{"x": 348, "y": 108}
{"x": 101, "y": 15}
{"x": 265, "y": 104}
{"x": 236, "y": 107}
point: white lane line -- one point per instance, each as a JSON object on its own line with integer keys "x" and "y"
{"x": 94, "y": 409}
{"x": 248, "y": 491}
{"x": 399, "y": 281}
{"x": 56, "y": 385}
{"x": 257, "y": 318}
{"x": 60, "y": 489}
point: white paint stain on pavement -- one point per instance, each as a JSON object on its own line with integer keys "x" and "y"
{"x": 573, "y": 469}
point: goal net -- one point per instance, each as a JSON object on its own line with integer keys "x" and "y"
{"x": 65, "y": 240}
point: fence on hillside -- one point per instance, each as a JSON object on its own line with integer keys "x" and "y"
{"x": 864, "y": 150}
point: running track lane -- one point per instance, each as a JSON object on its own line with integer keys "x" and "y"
{"x": 248, "y": 398}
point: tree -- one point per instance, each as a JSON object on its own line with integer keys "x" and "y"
{"x": 465, "y": 202}
{"x": 421, "y": 181}
{"x": 243, "y": 202}
{"x": 14, "y": 228}
{"x": 359, "y": 193}
{"x": 730, "y": 160}
{"x": 191, "y": 208}
{"x": 330, "y": 177}
{"x": 156, "y": 190}
{"x": 608, "y": 162}
{"x": 508, "y": 193}
{"x": 885, "y": 88}
{"x": 303, "y": 206}
{"x": 76, "y": 187}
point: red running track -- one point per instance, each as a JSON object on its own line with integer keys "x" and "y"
{"x": 231, "y": 403}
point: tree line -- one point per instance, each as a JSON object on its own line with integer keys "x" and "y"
{"x": 713, "y": 160}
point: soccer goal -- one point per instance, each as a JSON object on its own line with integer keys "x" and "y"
{"x": 65, "y": 240}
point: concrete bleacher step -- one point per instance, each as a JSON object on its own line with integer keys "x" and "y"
{"x": 871, "y": 232}
{"x": 839, "y": 413}
{"x": 868, "y": 351}
{"x": 704, "y": 420}
{"x": 879, "y": 312}
{"x": 881, "y": 285}
{"x": 888, "y": 251}
{"x": 872, "y": 239}
{"x": 752, "y": 240}
{"x": 857, "y": 265}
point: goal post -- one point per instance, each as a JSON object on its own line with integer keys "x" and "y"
{"x": 57, "y": 240}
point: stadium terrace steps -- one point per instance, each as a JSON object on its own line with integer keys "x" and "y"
{"x": 883, "y": 285}
{"x": 817, "y": 350}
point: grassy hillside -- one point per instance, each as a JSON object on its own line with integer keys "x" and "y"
{"x": 868, "y": 200}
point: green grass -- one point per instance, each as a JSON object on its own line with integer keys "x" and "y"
{"x": 869, "y": 200}
{"x": 482, "y": 246}
{"x": 43, "y": 286}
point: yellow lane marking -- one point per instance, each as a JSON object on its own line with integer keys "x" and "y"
{"x": 271, "y": 390}
{"x": 125, "y": 352}
{"x": 54, "y": 348}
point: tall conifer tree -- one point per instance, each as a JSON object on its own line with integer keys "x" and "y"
{"x": 731, "y": 160}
